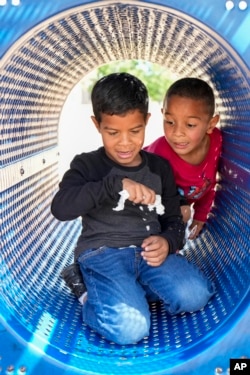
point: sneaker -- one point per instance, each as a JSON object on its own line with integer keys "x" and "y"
{"x": 73, "y": 278}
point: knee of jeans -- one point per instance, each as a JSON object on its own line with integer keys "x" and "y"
{"x": 190, "y": 300}
{"x": 129, "y": 325}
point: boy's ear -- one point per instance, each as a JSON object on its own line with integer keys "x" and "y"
{"x": 212, "y": 123}
{"x": 96, "y": 123}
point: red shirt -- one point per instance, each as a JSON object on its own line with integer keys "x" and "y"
{"x": 195, "y": 182}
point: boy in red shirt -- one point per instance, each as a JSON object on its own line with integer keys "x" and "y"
{"x": 192, "y": 144}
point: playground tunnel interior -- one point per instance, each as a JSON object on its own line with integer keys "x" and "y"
{"x": 36, "y": 78}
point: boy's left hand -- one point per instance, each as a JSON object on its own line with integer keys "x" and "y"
{"x": 155, "y": 250}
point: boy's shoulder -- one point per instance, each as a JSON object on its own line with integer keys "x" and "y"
{"x": 158, "y": 143}
{"x": 217, "y": 133}
{"x": 155, "y": 159}
{"x": 216, "y": 138}
{"x": 161, "y": 147}
{"x": 91, "y": 155}
{"x": 88, "y": 160}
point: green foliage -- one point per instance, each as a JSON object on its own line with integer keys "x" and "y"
{"x": 156, "y": 78}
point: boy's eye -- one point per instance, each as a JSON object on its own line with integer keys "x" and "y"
{"x": 191, "y": 125}
{"x": 112, "y": 133}
{"x": 169, "y": 122}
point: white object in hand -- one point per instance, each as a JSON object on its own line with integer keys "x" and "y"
{"x": 160, "y": 209}
{"x": 124, "y": 195}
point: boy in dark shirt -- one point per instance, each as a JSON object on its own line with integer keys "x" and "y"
{"x": 132, "y": 224}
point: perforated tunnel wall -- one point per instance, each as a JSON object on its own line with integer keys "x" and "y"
{"x": 37, "y": 309}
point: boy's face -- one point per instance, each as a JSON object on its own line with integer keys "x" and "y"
{"x": 123, "y": 136}
{"x": 186, "y": 125}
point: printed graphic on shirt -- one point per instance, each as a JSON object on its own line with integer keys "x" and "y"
{"x": 196, "y": 192}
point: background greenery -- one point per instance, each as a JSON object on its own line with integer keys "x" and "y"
{"x": 156, "y": 78}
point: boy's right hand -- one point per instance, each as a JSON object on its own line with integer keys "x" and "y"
{"x": 138, "y": 193}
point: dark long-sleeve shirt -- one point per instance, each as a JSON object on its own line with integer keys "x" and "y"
{"x": 90, "y": 189}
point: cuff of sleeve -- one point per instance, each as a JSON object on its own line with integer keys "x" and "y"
{"x": 184, "y": 202}
{"x": 200, "y": 216}
{"x": 173, "y": 248}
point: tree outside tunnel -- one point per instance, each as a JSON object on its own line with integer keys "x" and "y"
{"x": 156, "y": 77}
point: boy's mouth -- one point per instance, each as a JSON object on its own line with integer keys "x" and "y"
{"x": 180, "y": 145}
{"x": 124, "y": 154}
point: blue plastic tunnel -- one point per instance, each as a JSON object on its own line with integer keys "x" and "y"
{"x": 46, "y": 47}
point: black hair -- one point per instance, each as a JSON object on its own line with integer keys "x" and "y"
{"x": 193, "y": 88}
{"x": 117, "y": 94}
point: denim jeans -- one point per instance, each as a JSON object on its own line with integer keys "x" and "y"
{"x": 120, "y": 283}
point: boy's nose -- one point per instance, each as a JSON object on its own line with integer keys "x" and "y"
{"x": 178, "y": 130}
{"x": 124, "y": 139}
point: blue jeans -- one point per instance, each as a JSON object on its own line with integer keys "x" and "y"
{"x": 119, "y": 281}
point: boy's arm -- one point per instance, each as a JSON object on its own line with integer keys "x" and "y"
{"x": 173, "y": 231}
{"x": 156, "y": 248}
{"x": 203, "y": 205}
{"x": 77, "y": 196}
{"x": 172, "y": 225}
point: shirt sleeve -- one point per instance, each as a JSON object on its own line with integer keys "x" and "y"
{"x": 172, "y": 225}
{"x": 203, "y": 205}
{"x": 158, "y": 147}
{"x": 78, "y": 195}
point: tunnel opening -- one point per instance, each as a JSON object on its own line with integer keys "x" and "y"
{"x": 36, "y": 76}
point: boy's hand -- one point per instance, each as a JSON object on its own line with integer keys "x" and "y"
{"x": 195, "y": 229}
{"x": 156, "y": 249}
{"x": 138, "y": 193}
{"x": 186, "y": 213}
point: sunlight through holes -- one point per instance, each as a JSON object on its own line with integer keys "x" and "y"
{"x": 242, "y": 5}
{"x": 12, "y": 2}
